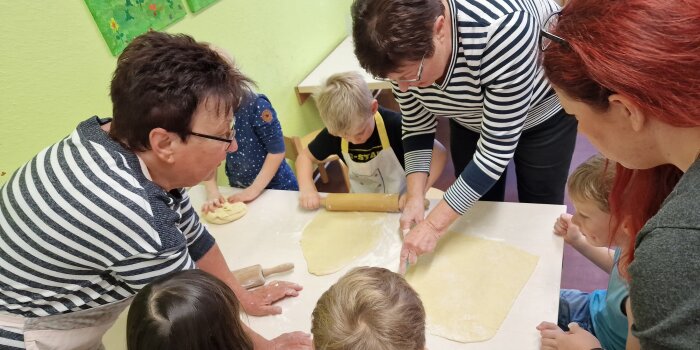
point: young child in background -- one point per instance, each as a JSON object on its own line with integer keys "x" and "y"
{"x": 369, "y": 308}
{"x": 258, "y": 163}
{"x": 366, "y": 136}
{"x": 190, "y": 310}
{"x": 601, "y": 312}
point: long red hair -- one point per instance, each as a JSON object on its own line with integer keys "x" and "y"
{"x": 635, "y": 197}
{"x": 647, "y": 51}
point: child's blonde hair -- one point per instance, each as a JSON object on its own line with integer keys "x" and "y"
{"x": 344, "y": 102}
{"x": 593, "y": 180}
{"x": 369, "y": 308}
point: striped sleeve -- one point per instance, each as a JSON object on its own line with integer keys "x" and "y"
{"x": 78, "y": 229}
{"x": 199, "y": 240}
{"x": 11, "y": 339}
{"x": 508, "y": 71}
{"x": 139, "y": 270}
{"x": 418, "y": 130}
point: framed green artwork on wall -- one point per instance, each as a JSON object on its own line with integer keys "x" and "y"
{"x": 197, "y": 5}
{"x": 119, "y": 21}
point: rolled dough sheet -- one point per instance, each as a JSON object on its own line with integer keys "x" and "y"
{"x": 469, "y": 284}
{"x": 226, "y": 213}
{"x": 332, "y": 240}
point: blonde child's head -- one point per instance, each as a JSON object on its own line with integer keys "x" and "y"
{"x": 369, "y": 308}
{"x": 592, "y": 181}
{"x": 589, "y": 187}
{"x": 346, "y": 105}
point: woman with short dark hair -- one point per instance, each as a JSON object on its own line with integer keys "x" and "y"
{"x": 476, "y": 63}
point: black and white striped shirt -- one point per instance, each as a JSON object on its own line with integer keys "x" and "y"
{"x": 493, "y": 85}
{"x": 82, "y": 226}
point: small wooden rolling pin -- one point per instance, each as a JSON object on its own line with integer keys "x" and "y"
{"x": 254, "y": 276}
{"x": 379, "y": 202}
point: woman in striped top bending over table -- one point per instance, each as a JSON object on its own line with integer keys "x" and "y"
{"x": 476, "y": 63}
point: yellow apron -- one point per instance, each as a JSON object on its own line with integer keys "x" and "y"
{"x": 80, "y": 330}
{"x": 382, "y": 174}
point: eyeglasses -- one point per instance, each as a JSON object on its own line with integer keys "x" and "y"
{"x": 415, "y": 80}
{"x": 230, "y": 137}
{"x": 546, "y": 38}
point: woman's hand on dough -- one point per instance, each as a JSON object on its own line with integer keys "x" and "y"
{"x": 310, "y": 200}
{"x": 247, "y": 195}
{"x": 413, "y": 211}
{"x": 420, "y": 240}
{"x": 259, "y": 300}
{"x": 212, "y": 203}
{"x": 423, "y": 238}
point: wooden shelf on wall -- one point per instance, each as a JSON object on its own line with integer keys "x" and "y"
{"x": 341, "y": 59}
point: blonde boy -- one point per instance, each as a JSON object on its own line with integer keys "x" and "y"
{"x": 366, "y": 136}
{"x": 601, "y": 312}
{"x": 369, "y": 308}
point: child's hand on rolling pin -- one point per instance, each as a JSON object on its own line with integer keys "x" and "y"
{"x": 310, "y": 200}
{"x": 564, "y": 228}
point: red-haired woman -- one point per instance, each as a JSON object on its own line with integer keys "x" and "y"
{"x": 630, "y": 73}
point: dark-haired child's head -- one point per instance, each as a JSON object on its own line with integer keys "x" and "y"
{"x": 187, "y": 310}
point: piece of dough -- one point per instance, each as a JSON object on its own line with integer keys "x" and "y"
{"x": 469, "y": 284}
{"x": 332, "y": 240}
{"x": 226, "y": 213}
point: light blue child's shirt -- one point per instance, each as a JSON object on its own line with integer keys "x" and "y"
{"x": 609, "y": 322}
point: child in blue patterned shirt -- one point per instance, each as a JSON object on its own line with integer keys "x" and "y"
{"x": 257, "y": 161}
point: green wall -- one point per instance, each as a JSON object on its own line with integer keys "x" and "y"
{"x": 55, "y": 67}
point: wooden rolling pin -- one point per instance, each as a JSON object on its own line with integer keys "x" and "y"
{"x": 253, "y": 276}
{"x": 379, "y": 202}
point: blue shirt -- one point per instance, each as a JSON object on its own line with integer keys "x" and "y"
{"x": 258, "y": 132}
{"x": 609, "y": 322}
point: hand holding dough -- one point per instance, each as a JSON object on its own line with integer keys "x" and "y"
{"x": 226, "y": 213}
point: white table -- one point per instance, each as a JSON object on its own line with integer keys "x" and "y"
{"x": 269, "y": 234}
{"x": 341, "y": 59}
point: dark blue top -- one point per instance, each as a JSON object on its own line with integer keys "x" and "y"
{"x": 258, "y": 132}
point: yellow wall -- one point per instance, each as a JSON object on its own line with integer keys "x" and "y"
{"x": 55, "y": 67}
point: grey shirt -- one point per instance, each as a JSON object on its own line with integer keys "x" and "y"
{"x": 665, "y": 273}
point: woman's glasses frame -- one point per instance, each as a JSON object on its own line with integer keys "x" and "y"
{"x": 546, "y": 38}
